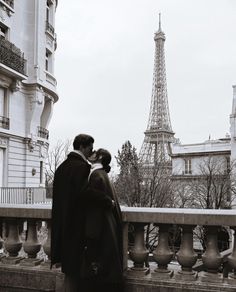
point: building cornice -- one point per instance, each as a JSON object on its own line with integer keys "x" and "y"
{"x": 205, "y": 153}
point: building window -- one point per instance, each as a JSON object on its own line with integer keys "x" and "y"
{"x": 4, "y": 121}
{"x": 41, "y": 172}
{"x": 187, "y": 166}
{"x": 1, "y": 166}
{"x": 49, "y": 18}
{"x": 3, "y": 31}
{"x": 3, "y": 101}
{"x": 48, "y": 11}
{"x": 48, "y": 61}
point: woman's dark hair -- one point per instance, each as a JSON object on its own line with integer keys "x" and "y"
{"x": 106, "y": 158}
{"x": 83, "y": 140}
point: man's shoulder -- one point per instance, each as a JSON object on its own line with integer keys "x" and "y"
{"x": 72, "y": 160}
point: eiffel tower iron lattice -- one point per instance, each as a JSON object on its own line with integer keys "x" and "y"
{"x": 159, "y": 134}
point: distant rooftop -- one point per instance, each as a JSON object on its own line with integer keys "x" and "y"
{"x": 208, "y": 146}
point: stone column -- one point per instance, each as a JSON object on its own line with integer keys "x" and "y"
{"x": 139, "y": 254}
{"x": 12, "y": 243}
{"x": 232, "y": 261}
{"x": 31, "y": 245}
{"x": 211, "y": 257}
{"x": 186, "y": 255}
{"x": 47, "y": 246}
{"x": 163, "y": 254}
{"x": 125, "y": 245}
{"x": 1, "y": 240}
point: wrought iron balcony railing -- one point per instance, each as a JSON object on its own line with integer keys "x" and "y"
{"x": 12, "y": 56}
{"x": 50, "y": 28}
{"x": 43, "y": 133}
{"x": 9, "y": 3}
{"x": 4, "y": 123}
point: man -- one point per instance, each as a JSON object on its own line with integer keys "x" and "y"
{"x": 68, "y": 211}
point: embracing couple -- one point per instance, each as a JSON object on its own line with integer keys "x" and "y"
{"x": 86, "y": 221}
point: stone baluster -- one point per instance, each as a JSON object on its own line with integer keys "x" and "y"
{"x": 12, "y": 243}
{"x": 163, "y": 254}
{"x": 186, "y": 255}
{"x": 125, "y": 245}
{"x": 1, "y": 240}
{"x": 232, "y": 261}
{"x": 139, "y": 254}
{"x": 211, "y": 257}
{"x": 47, "y": 246}
{"x": 31, "y": 245}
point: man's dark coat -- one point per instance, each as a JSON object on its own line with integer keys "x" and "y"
{"x": 68, "y": 213}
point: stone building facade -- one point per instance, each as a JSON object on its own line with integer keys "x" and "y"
{"x": 212, "y": 159}
{"x": 27, "y": 89}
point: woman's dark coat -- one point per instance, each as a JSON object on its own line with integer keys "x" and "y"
{"x": 104, "y": 233}
{"x": 68, "y": 212}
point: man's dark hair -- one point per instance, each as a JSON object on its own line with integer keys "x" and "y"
{"x": 82, "y": 140}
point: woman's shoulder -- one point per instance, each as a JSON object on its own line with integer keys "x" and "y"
{"x": 98, "y": 175}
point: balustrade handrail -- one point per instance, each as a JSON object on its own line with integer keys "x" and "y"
{"x": 8, "y": 3}
{"x": 50, "y": 28}
{"x": 208, "y": 270}
{"x": 208, "y": 217}
{"x": 180, "y": 216}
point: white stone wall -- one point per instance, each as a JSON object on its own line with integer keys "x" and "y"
{"x": 30, "y": 96}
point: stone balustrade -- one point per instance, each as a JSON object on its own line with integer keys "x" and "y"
{"x": 165, "y": 269}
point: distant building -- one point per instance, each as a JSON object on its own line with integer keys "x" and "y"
{"x": 233, "y": 126}
{"x": 211, "y": 160}
{"x": 187, "y": 158}
{"x": 27, "y": 89}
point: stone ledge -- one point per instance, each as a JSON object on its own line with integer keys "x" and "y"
{"x": 17, "y": 278}
{"x": 148, "y": 284}
{"x": 37, "y": 279}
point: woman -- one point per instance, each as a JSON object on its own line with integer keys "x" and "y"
{"x": 103, "y": 262}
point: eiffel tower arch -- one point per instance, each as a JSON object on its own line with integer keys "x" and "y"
{"x": 159, "y": 134}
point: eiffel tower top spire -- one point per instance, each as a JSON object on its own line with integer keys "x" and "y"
{"x": 159, "y": 131}
{"x": 159, "y": 21}
{"x": 159, "y": 34}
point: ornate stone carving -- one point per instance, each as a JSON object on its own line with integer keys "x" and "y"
{"x": 3, "y": 142}
{"x": 15, "y": 85}
{"x": 31, "y": 144}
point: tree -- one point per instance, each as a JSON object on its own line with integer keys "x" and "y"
{"x": 156, "y": 192}
{"x": 56, "y": 155}
{"x": 156, "y": 184}
{"x": 128, "y": 181}
{"x": 142, "y": 186}
{"x": 213, "y": 187}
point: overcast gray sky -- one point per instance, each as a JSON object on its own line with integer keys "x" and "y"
{"x": 104, "y": 67}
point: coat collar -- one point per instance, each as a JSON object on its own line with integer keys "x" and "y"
{"x": 79, "y": 154}
{"x": 94, "y": 167}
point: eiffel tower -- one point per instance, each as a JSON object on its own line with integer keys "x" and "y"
{"x": 159, "y": 134}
